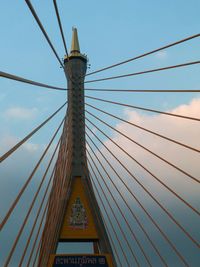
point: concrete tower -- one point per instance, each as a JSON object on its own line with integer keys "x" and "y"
{"x": 74, "y": 214}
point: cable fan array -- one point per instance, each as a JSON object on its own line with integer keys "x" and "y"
{"x": 126, "y": 186}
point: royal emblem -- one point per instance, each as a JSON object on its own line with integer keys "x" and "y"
{"x": 78, "y": 218}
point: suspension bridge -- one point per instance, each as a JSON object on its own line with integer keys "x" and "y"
{"x": 117, "y": 198}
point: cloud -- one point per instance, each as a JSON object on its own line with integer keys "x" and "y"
{"x": 20, "y": 113}
{"x": 182, "y": 130}
{"x": 2, "y": 97}
{"x": 173, "y": 127}
{"x": 185, "y": 131}
{"x": 161, "y": 54}
{"x": 32, "y": 148}
{"x": 15, "y": 171}
{"x": 192, "y": 109}
{"x": 8, "y": 141}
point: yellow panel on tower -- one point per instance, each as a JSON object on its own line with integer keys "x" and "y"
{"x": 78, "y": 221}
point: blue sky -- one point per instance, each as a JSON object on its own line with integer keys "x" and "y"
{"x": 109, "y": 32}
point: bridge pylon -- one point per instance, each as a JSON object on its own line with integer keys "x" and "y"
{"x": 73, "y": 212}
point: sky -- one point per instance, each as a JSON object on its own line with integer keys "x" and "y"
{"x": 109, "y": 32}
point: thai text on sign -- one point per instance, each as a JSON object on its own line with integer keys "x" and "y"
{"x": 80, "y": 261}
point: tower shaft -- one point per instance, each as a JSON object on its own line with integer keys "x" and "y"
{"x": 75, "y": 69}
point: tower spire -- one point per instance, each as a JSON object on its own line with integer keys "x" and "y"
{"x": 75, "y": 43}
{"x": 75, "y": 48}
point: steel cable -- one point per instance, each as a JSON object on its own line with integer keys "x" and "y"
{"x": 59, "y": 187}
{"x": 168, "y": 188}
{"x": 37, "y": 252}
{"x": 146, "y": 54}
{"x": 36, "y": 237}
{"x": 144, "y": 109}
{"x": 23, "y": 80}
{"x": 145, "y": 148}
{"x": 13, "y": 149}
{"x": 13, "y": 205}
{"x": 145, "y": 129}
{"x": 108, "y": 203}
{"x": 150, "y": 217}
{"x": 36, "y": 218}
{"x": 60, "y": 26}
{"x": 43, "y": 30}
{"x": 31, "y": 206}
{"x": 114, "y": 231}
{"x": 110, "y": 236}
{"x": 141, "y": 90}
{"x": 145, "y": 72}
{"x": 88, "y": 174}
{"x": 124, "y": 200}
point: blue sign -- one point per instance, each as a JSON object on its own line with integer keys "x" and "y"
{"x": 80, "y": 261}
